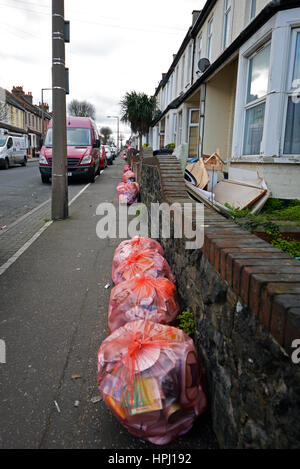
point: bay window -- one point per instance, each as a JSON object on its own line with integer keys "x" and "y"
{"x": 257, "y": 88}
{"x": 292, "y": 128}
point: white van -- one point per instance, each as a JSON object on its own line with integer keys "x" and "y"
{"x": 13, "y": 150}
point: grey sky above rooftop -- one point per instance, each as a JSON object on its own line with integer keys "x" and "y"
{"x": 115, "y": 47}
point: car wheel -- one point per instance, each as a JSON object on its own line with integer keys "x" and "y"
{"x": 45, "y": 179}
{"x": 6, "y": 164}
{"x": 24, "y": 163}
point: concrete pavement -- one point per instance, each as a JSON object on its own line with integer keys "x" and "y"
{"x": 53, "y": 318}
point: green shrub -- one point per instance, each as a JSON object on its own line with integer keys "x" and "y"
{"x": 187, "y": 322}
{"x": 272, "y": 205}
{"x": 290, "y": 247}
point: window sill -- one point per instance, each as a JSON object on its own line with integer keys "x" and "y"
{"x": 267, "y": 160}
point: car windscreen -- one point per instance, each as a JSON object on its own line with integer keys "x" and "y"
{"x": 2, "y": 141}
{"x": 76, "y": 136}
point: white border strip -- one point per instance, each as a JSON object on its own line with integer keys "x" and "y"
{"x": 25, "y": 246}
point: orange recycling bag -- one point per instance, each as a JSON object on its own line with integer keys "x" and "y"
{"x": 150, "y": 377}
{"x": 144, "y": 261}
{"x": 128, "y": 176}
{"x": 128, "y": 246}
{"x": 128, "y": 192}
{"x": 156, "y": 297}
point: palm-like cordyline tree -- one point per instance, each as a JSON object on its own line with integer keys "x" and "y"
{"x": 138, "y": 110}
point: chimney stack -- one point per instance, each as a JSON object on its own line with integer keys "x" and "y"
{"x": 18, "y": 91}
{"x": 28, "y": 97}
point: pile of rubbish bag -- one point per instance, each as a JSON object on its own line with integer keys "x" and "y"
{"x": 148, "y": 371}
{"x": 145, "y": 261}
{"x": 149, "y": 377}
{"x": 128, "y": 192}
{"x": 128, "y": 247}
{"x": 155, "y": 298}
{"x": 128, "y": 176}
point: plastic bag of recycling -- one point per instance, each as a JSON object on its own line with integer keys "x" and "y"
{"x": 145, "y": 261}
{"x": 150, "y": 377}
{"x": 129, "y": 246}
{"x": 134, "y": 314}
{"x": 128, "y": 192}
{"x": 126, "y": 168}
{"x": 128, "y": 176}
{"x": 157, "y": 297}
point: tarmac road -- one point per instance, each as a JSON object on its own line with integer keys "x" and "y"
{"x": 22, "y": 190}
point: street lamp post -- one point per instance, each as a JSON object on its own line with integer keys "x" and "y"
{"x": 59, "y": 206}
{"x": 116, "y": 117}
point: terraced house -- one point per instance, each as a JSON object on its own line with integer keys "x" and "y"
{"x": 234, "y": 84}
{"x": 20, "y": 115}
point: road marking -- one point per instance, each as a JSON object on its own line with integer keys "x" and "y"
{"x": 25, "y": 246}
{"x": 79, "y": 193}
{"x": 13, "y": 258}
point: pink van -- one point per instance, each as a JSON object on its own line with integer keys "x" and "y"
{"x": 83, "y": 150}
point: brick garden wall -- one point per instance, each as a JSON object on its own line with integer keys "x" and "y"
{"x": 245, "y": 295}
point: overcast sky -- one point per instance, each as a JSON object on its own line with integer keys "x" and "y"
{"x": 116, "y": 46}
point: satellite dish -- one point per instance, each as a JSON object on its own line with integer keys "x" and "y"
{"x": 203, "y": 65}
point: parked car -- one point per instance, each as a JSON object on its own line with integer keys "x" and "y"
{"x": 114, "y": 151}
{"x": 103, "y": 158}
{"x": 109, "y": 155}
{"x": 13, "y": 150}
{"x": 83, "y": 150}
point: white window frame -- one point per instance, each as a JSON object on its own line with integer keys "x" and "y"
{"x": 257, "y": 102}
{"x": 182, "y": 73}
{"x": 252, "y": 10}
{"x": 176, "y": 82}
{"x": 191, "y": 124}
{"x": 227, "y": 23}
{"x": 171, "y": 87}
{"x": 200, "y": 46}
{"x": 209, "y": 37}
{"x": 189, "y": 66}
{"x": 180, "y": 119}
{"x": 174, "y": 127}
{"x": 290, "y": 90}
{"x": 278, "y": 29}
